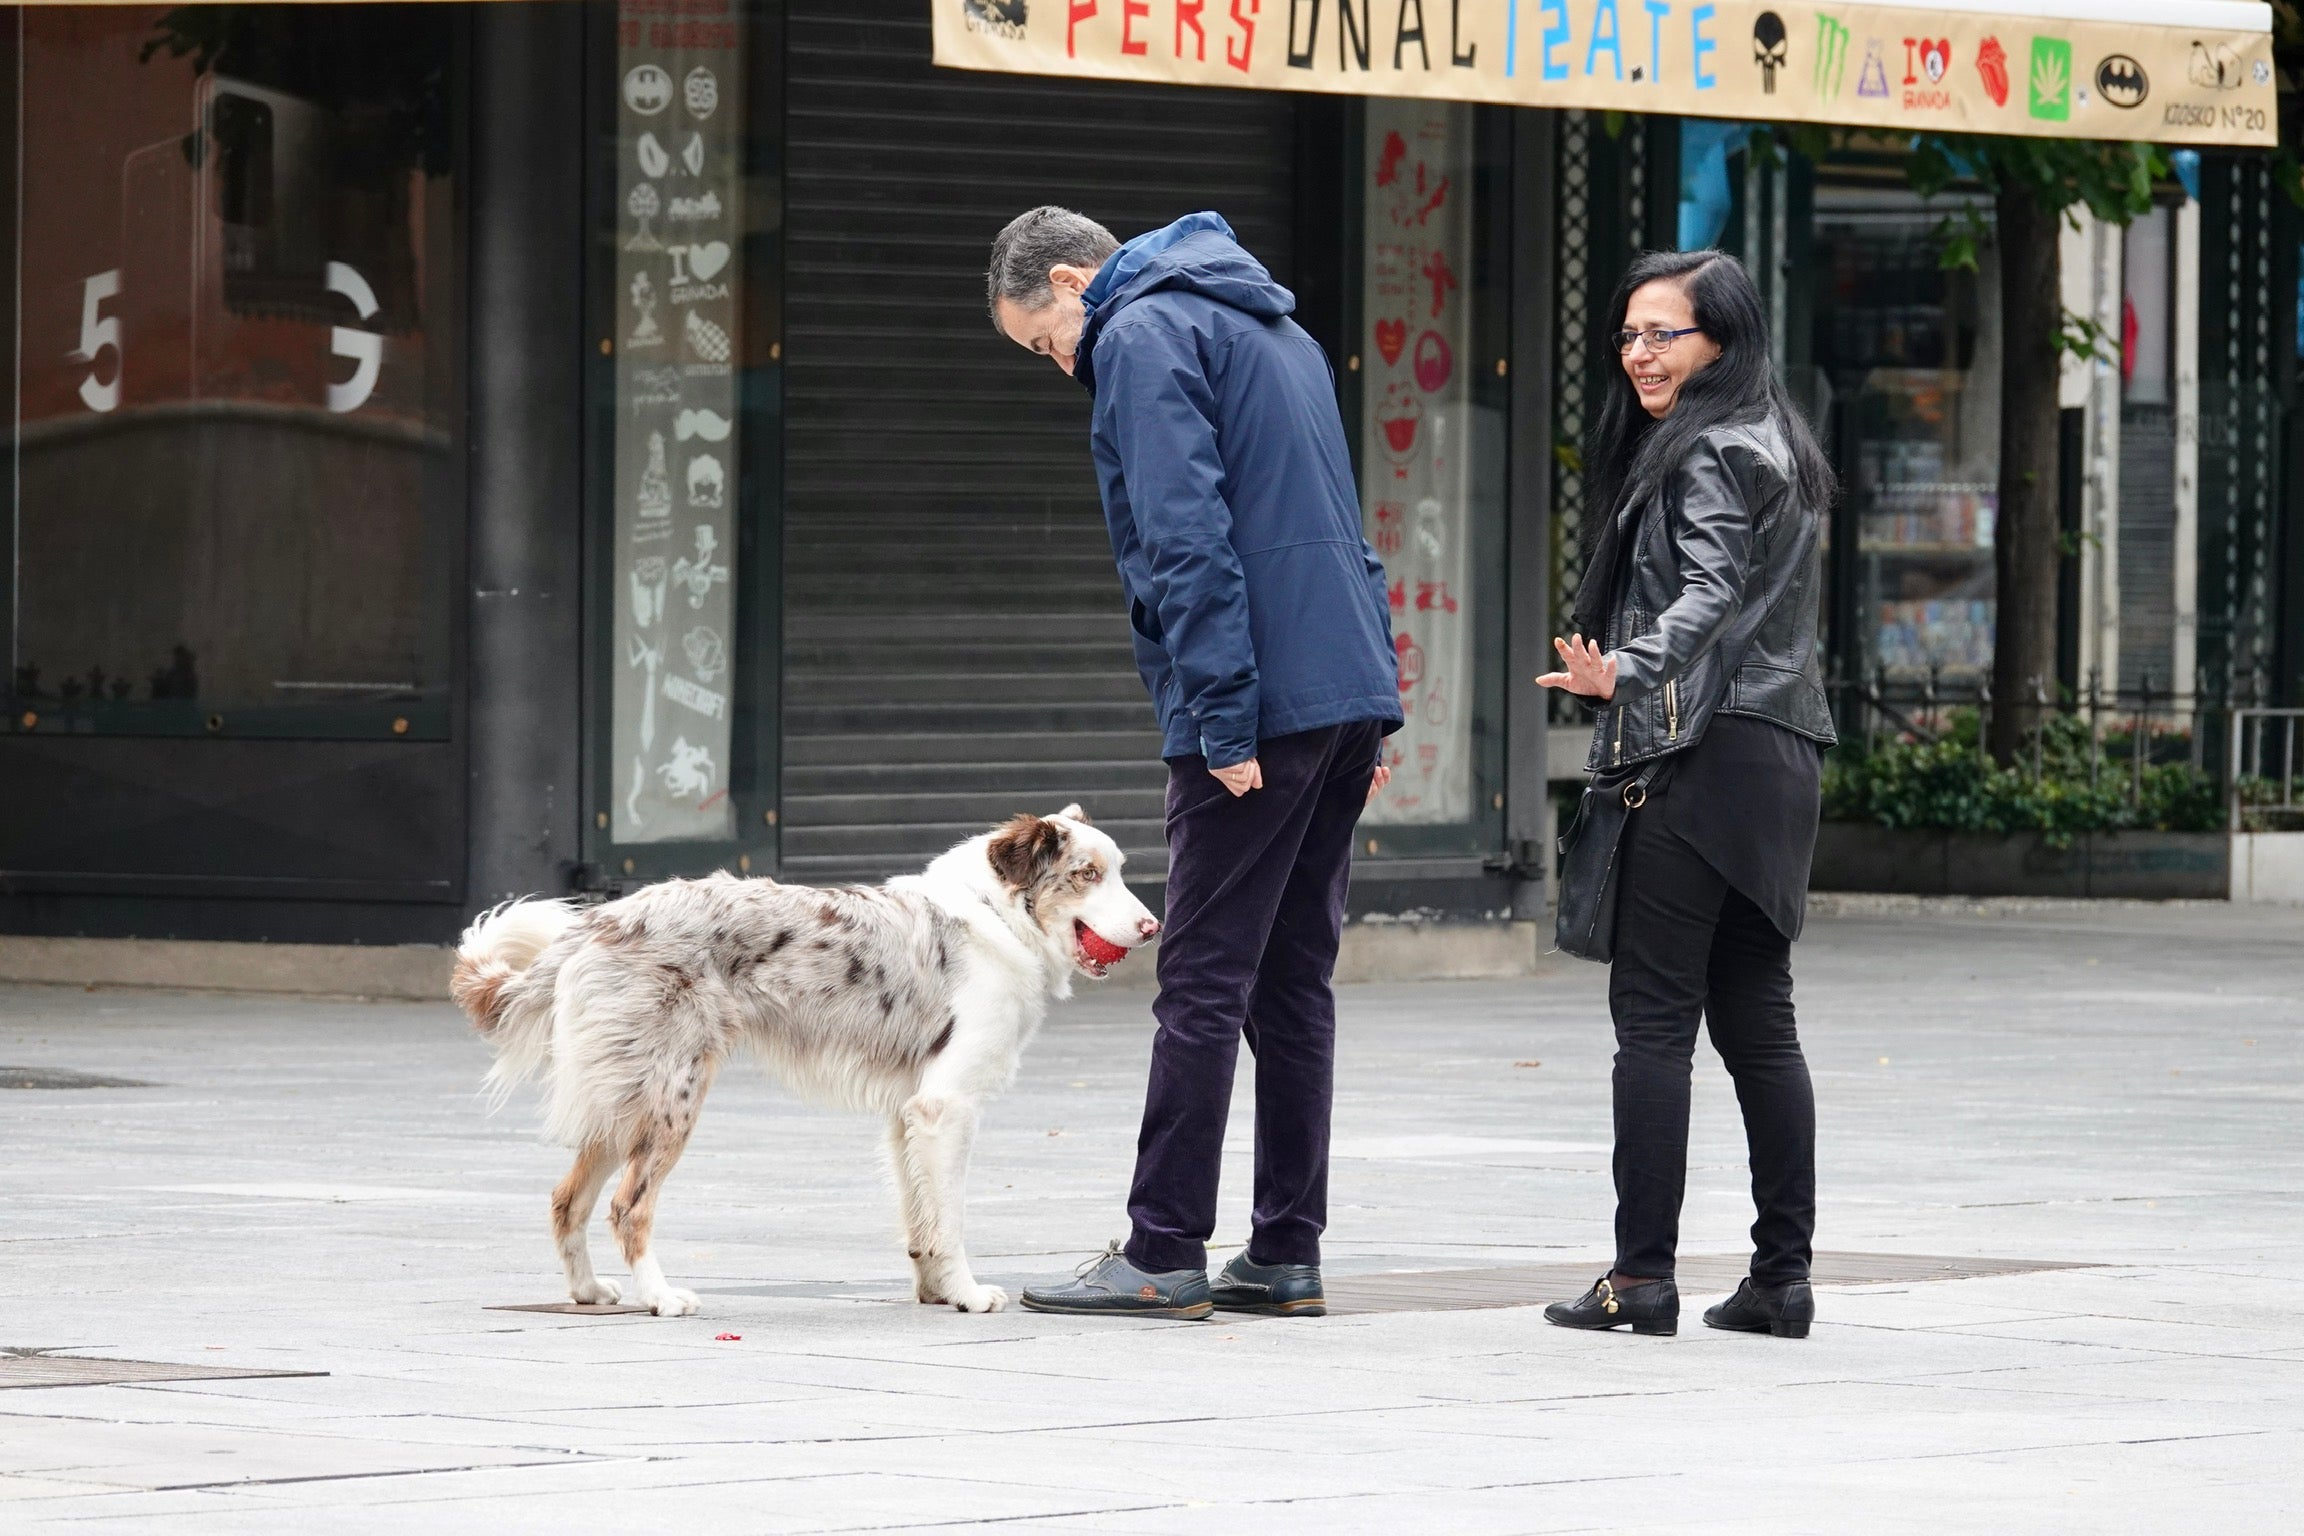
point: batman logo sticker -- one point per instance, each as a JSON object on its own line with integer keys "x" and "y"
{"x": 2120, "y": 81}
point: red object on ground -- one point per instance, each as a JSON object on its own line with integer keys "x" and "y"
{"x": 728, "y": 1338}
{"x": 1098, "y": 948}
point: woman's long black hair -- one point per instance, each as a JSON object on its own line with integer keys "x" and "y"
{"x": 1633, "y": 453}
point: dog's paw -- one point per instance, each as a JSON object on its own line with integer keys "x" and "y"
{"x": 672, "y": 1303}
{"x": 980, "y": 1298}
{"x": 599, "y": 1293}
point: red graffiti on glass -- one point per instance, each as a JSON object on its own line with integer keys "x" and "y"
{"x": 1434, "y": 595}
{"x": 1388, "y": 161}
{"x": 1411, "y": 660}
{"x": 1442, "y": 277}
{"x": 1434, "y": 362}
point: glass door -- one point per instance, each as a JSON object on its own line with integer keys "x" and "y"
{"x": 686, "y": 481}
{"x": 1427, "y": 362}
{"x": 1911, "y": 352}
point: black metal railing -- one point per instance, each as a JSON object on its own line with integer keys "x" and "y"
{"x": 2252, "y": 750}
{"x": 2262, "y": 740}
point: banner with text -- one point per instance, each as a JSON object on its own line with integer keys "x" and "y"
{"x": 1866, "y": 66}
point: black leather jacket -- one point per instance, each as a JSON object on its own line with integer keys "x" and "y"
{"x": 1716, "y": 607}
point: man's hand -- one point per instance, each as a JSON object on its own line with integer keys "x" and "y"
{"x": 1590, "y": 672}
{"x": 1383, "y": 776}
{"x": 1240, "y": 777}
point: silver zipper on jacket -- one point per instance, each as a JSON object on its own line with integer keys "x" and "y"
{"x": 1630, "y": 622}
{"x": 1671, "y": 711}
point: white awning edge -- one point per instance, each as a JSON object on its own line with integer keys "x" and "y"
{"x": 2176, "y": 15}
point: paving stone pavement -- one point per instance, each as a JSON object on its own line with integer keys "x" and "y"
{"x": 316, "y": 1186}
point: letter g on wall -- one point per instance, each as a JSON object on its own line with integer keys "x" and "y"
{"x": 365, "y": 348}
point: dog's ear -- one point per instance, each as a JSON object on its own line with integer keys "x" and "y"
{"x": 1025, "y": 849}
{"x": 1074, "y": 812}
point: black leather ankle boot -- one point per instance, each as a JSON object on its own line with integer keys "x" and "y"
{"x": 1783, "y": 1310}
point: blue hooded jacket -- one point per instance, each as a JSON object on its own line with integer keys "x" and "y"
{"x": 1258, "y": 608}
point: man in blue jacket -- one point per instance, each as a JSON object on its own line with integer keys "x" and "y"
{"x": 1263, "y": 635}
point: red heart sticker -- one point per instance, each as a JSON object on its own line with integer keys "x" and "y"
{"x": 1391, "y": 339}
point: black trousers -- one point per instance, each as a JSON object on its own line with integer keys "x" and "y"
{"x": 1689, "y": 945}
{"x": 1256, "y": 889}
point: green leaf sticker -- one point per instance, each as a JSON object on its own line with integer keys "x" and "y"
{"x": 2051, "y": 79}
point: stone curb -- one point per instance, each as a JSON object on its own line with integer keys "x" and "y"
{"x": 1372, "y": 952}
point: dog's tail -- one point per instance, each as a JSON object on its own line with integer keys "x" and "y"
{"x": 493, "y": 987}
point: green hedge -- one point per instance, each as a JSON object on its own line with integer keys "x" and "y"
{"x": 1950, "y": 786}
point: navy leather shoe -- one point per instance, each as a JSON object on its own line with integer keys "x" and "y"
{"x": 1276, "y": 1290}
{"x": 1783, "y": 1310}
{"x": 1109, "y": 1286}
{"x": 1651, "y": 1307}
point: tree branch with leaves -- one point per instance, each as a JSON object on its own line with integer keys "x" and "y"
{"x": 2037, "y": 187}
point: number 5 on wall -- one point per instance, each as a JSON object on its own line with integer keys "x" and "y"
{"x": 365, "y": 348}
{"x": 98, "y": 332}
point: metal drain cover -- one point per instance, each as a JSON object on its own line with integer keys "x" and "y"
{"x": 62, "y": 1077}
{"x": 38, "y": 1368}
{"x": 1528, "y": 1285}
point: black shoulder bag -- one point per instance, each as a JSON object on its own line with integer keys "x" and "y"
{"x": 1589, "y": 849}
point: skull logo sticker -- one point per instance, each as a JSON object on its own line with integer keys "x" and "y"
{"x": 1769, "y": 48}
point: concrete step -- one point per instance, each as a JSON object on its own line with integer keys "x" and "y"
{"x": 944, "y": 624}
{"x": 836, "y": 688}
{"x": 979, "y": 808}
{"x": 924, "y": 840}
{"x": 902, "y": 747}
{"x": 1034, "y": 781}
{"x": 975, "y": 658}
{"x": 1147, "y": 866}
{"x": 967, "y": 718}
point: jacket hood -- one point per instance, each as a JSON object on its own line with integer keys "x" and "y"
{"x": 1196, "y": 254}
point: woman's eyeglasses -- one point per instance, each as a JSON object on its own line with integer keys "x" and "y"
{"x": 1659, "y": 340}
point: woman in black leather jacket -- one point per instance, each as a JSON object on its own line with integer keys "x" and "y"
{"x": 1701, "y": 585}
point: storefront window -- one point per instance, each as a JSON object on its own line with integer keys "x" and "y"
{"x": 1418, "y": 439}
{"x": 1911, "y": 353}
{"x": 2147, "y": 566}
{"x": 235, "y": 484}
{"x": 680, "y": 223}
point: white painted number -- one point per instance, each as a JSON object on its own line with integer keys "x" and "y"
{"x": 365, "y": 348}
{"x": 98, "y": 332}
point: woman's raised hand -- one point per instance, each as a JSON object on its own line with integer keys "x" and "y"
{"x": 1589, "y": 671}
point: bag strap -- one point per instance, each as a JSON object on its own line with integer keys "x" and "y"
{"x": 1635, "y": 791}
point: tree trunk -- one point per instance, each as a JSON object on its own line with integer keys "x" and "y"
{"x": 2026, "y": 534}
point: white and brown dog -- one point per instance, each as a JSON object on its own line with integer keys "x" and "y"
{"x": 913, "y": 1000}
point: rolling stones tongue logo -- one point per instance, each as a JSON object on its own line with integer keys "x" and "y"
{"x": 1399, "y": 417}
{"x": 1992, "y": 64}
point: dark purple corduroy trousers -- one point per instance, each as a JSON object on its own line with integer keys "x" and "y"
{"x": 1255, "y": 909}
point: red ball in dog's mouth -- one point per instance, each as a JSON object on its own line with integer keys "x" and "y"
{"x": 1097, "y": 952}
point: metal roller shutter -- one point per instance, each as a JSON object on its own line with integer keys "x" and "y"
{"x": 956, "y": 644}
{"x": 2148, "y": 549}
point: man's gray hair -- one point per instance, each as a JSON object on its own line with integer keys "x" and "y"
{"x": 1032, "y": 243}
